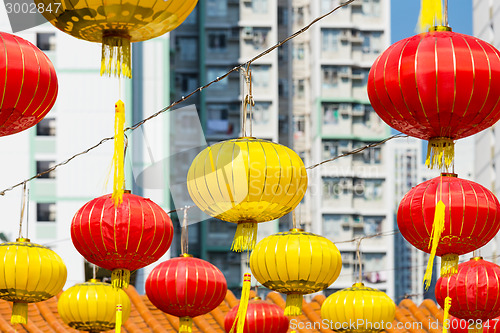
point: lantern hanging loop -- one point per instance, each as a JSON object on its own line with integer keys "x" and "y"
{"x": 445, "y": 13}
{"x": 360, "y": 263}
{"x": 94, "y": 271}
{"x": 184, "y": 232}
{"x": 248, "y": 101}
{"x": 23, "y": 208}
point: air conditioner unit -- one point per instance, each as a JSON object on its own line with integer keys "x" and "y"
{"x": 248, "y": 33}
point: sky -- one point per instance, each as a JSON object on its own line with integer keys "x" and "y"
{"x": 404, "y": 17}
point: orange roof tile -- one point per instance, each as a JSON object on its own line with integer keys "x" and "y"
{"x": 145, "y": 318}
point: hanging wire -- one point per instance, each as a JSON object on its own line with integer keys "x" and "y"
{"x": 94, "y": 271}
{"x": 184, "y": 232}
{"x": 23, "y": 207}
{"x": 445, "y": 13}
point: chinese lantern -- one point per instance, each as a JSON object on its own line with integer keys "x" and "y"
{"x": 261, "y": 317}
{"x": 116, "y": 24}
{"x": 359, "y": 308}
{"x": 28, "y": 84}
{"x": 438, "y": 86}
{"x": 448, "y": 216}
{"x": 247, "y": 181}
{"x": 121, "y": 238}
{"x": 295, "y": 263}
{"x": 186, "y": 287}
{"x": 29, "y": 273}
{"x": 90, "y": 306}
{"x": 474, "y": 292}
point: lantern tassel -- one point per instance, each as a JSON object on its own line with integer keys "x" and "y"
{"x": 118, "y": 155}
{"x": 185, "y": 325}
{"x": 19, "y": 313}
{"x": 118, "y": 322}
{"x": 476, "y": 327}
{"x": 437, "y": 230}
{"x": 293, "y": 305}
{"x": 446, "y": 314}
{"x": 449, "y": 264}
{"x": 239, "y": 321}
{"x": 431, "y": 14}
{"x": 440, "y": 152}
{"x": 245, "y": 237}
{"x": 120, "y": 278}
{"x": 115, "y": 54}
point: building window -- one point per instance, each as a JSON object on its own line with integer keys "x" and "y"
{"x": 213, "y": 73}
{"x": 335, "y": 188}
{"x": 330, "y": 114}
{"x": 217, "y": 41}
{"x": 372, "y": 42}
{"x": 298, "y": 51}
{"x": 46, "y": 127}
{"x": 330, "y": 40}
{"x": 260, "y": 6}
{"x": 46, "y": 41}
{"x": 299, "y": 124}
{"x": 261, "y": 76}
{"x": 368, "y": 189}
{"x": 282, "y": 15}
{"x": 371, "y": 8}
{"x": 42, "y": 166}
{"x": 299, "y": 88}
{"x": 283, "y": 87}
{"x": 261, "y": 112}
{"x": 328, "y": 5}
{"x": 217, "y": 8}
{"x": 186, "y": 83}
{"x": 298, "y": 15}
{"x": 187, "y": 47}
{"x": 46, "y": 212}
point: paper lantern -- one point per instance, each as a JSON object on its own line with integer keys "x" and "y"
{"x": 121, "y": 238}
{"x": 360, "y": 309}
{"x": 247, "y": 181}
{"x": 438, "y": 86}
{"x": 29, "y": 273}
{"x": 261, "y": 317}
{"x": 28, "y": 84}
{"x": 474, "y": 292}
{"x": 116, "y": 24}
{"x": 448, "y": 216}
{"x": 295, "y": 263}
{"x": 90, "y": 306}
{"x": 186, "y": 287}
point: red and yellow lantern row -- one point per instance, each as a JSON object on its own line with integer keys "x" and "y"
{"x": 474, "y": 292}
{"x": 448, "y": 216}
{"x": 247, "y": 181}
{"x": 29, "y": 273}
{"x": 295, "y": 263}
{"x": 186, "y": 287}
{"x": 438, "y": 86}
{"x": 28, "y": 84}
{"x": 261, "y": 317}
{"x": 115, "y": 24}
{"x": 91, "y": 306}
{"x": 369, "y": 309}
{"x": 121, "y": 238}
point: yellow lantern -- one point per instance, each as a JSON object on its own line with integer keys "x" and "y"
{"x": 90, "y": 306}
{"x": 29, "y": 273}
{"x": 295, "y": 263}
{"x": 358, "y": 309}
{"x": 115, "y": 24}
{"x": 247, "y": 181}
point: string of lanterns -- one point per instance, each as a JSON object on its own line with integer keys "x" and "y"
{"x": 248, "y": 181}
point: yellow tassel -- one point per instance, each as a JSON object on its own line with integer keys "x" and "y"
{"x": 239, "y": 321}
{"x": 118, "y": 155}
{"x": 446, "y": 315}
{"x": 293, "y": 305}
{"x": 118, "y": 322}
{"x": 245, "y": 237}
{"x": 120, "y": 278}
{"x": 449, "y": 264}
{"x": 115, "y": 54}
{"x": 185, "y": 325}
{"x": 476, "y": 327}
{"x": 440, "y": 152}
{"x": 437, "y": 230}
{"x": 19, "y": 313}
{"x": 431, "y": 14}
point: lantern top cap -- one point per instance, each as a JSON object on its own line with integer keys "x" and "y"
{"x": 358, "y": 284}
{"x": 186, "y": 255}
{"x": 247, "y": 137}
{"x": 477, "y": 258}
{"x": 94, "y": 280}
{"x": 449, "y": 174}
{"x": 127, "y": 191}
{"x": 440, "y": 28}
{"x": 256, "y": 298}
{"x": 23, "y": 240}
{"x": 296, "y": 230}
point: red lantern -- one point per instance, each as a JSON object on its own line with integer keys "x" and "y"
{"x": 28, "y": 84}
{"x": 438, "y": 86}
{"x": 261, "y": 317}
{"x": 474, "y": 291}
{"x": 121, "y": 238}
{"x": 470, "y": 218}
{"x": 186, "y": 287}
